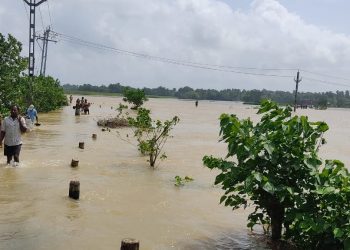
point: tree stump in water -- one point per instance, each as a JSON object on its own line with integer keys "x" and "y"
{"x": 130, "y": 244}
{"x": 74, "y": 190}
{"x": 94, "y": 136}
{"x": 74, "y": 163}
{"x": 81, "y": 145}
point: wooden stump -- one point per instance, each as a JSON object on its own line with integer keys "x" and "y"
{"x": 74, "y": 190}
{"x": 81, "y": 145}
{"x": 74, "y": 163}
{"x": 94, "y": 136}
{"x": 130, "y": 244}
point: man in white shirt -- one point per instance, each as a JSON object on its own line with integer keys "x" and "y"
{"x": 11, "y": 129}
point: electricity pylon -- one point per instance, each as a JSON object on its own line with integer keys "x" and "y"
{"x": 46, "y": 41}
{"x": 32, "y": 5}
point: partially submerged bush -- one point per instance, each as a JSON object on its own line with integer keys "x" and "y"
{"x": 274, "y": 167}
{"x": 151, "y": 134}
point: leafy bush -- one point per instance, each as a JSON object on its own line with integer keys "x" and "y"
{"x": 11, "y": 66}
{"x": 16, "y": 88}
{"x": 134, "y": 96}
{"x": 151, "y": 135}
{"x": 274, "y": 166}
{"x": 47, "y": 94}
{"x": 179, "y": 181}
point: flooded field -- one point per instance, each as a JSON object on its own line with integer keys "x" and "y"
{"x": 120, "y": 195}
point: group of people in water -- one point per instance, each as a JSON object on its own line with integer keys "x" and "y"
{"x": 81, "y": 105}
{"x": 14, "y": 125}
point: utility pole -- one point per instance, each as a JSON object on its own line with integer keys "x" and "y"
{"x": 32, "y": 5}
{"x": 46, "y": 41}
{"x": 297, "y": 80}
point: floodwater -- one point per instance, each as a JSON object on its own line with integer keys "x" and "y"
{"x": 120, "y": 195}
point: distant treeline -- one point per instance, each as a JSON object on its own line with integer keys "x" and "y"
{"x": 324, "y": 99}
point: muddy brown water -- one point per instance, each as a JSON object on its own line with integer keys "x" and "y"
{"x": 120, "y": 195}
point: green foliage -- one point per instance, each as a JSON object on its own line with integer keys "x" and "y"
{"x": 323, "y": 102}
{"x": 16, "y": 88}
{"x": 274, "y": 166}
{"x": 120, "y": 109}
{"x": 11, "y": 66}
{"x": 47, "y": 94}
{"x": 323, "y": 221}
{"x": 179, "y": 181}
{"x": 151, "y": 134}
{"x": 135, "y": 96}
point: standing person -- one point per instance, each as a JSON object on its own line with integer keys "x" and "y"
{"x": 77, "y": 107}
{"x": 32, "y": 114}
{"x": 196, "y": 103}
{"x": 70, "y": 99}
{"x": 82, "y": 103}
{"x": 86, "y": 106}
{"x": 11, "y": 129}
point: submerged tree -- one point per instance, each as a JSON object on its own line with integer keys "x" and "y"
{"x": 151, "y": 134}
{"x": 274, "y": 166}
{"x": 135, "y": 96}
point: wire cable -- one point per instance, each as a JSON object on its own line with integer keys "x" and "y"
{"x": 48, "y": 8}
{"x": 25, "y": 9}
{"x": 325, "y": 75}
{"x": 180, "y": 61}
{"x": 327, "y": 82}
{"x": 41, "y": 17}
{"x": 221, "y": 68}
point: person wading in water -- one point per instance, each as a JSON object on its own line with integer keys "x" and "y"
{"x": 11, "y": 129}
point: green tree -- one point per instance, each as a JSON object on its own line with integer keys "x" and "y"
{"x": 11, "y": 66}
{"x": 151, "y": 134}
{"x": 135, "y": 96}
{"x": 320, "y": 218}
{"x": 47, "y": 93}
{"x": 270, "y": 162}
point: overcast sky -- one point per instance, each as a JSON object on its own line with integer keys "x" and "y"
{"x": 310, "y": 35}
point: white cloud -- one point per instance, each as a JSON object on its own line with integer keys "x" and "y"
{"x": 207, "y": 31}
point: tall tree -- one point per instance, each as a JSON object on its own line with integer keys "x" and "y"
{"x": 11, "y": 66}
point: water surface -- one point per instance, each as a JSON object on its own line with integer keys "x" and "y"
{"x": 120, "y": 195}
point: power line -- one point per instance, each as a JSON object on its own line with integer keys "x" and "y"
{"x": 41, "y": 17}
{"x": 327, "y": 82}
{"x": 48, "y": 8}
{"x": 221, "y": 68}
{"x": 25, "y": 9}
{"x": 326, "y": 75}
{"x": 180, "y": 61}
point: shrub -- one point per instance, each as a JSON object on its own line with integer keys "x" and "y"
{"x": 274, "y": 166}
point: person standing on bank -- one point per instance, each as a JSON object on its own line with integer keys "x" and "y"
{"x": 11, "y": 129}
